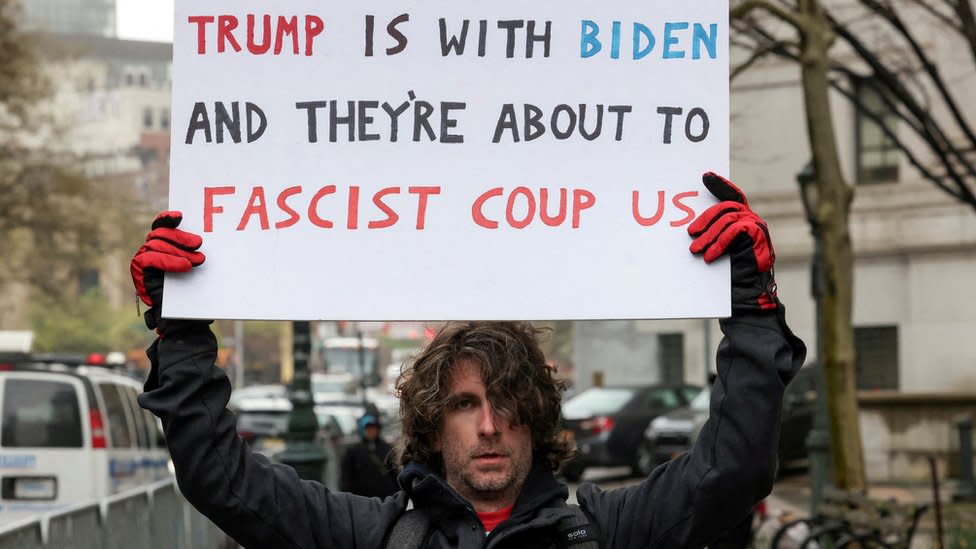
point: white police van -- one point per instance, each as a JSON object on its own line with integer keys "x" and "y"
{"x": 72, "y": 434}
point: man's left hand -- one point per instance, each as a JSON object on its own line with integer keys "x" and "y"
{"x": 732, "y": 228}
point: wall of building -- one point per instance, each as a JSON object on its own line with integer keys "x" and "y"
{"x": 901, "y": 431}
{"x": 616, "y": 350}
{"x": 94, "y": 17}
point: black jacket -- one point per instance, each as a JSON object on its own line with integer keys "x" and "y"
{"x": 366, "y": 470}
{"x": 684, "y": 503}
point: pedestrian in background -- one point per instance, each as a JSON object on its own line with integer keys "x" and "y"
{"x": 366, "y": 466}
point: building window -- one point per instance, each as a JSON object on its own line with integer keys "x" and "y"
{"x": 671, "y": 357}
{"x": 147, "y": 117}
{"x": 877, "y": 357}
{"x": 164, "y": 119}
{"x": 877, "y": 154}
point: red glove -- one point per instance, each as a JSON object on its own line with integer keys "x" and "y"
{"x": 167, "y": 250}
{"x": 730, "y": 227}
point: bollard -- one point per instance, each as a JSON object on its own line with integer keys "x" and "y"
{"x": 966, "y": 489}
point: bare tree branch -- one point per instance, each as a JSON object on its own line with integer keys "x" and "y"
{"x": 748, "y": 6}
{"x": 964, "y": 10}
{"x": 961, "y": 194}
{"x": 942, "y": 17}
{"x": 898, "y": 100}
{"x": 934, "y": 134}
{"x": 759, "y": 53}
{"x": 930, "y": 68}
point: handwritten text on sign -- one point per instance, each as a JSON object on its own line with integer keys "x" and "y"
{"x": 437, "y": 160}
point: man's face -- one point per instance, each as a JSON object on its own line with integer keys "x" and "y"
{"x": 372, "y": 431}
{"x": 486, "y": 459}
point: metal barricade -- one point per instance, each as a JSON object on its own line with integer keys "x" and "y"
{"x": 155, "y": 517}
{"x": 77, "y": 527}
{"x": 127, "y": 522}
{"x": 168, "y": 527}
{"x": 24, "y": 534}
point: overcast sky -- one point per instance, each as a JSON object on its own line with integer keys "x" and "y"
{"x": 145, "y": 19}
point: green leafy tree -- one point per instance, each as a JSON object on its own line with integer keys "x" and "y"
{"x": 39, "y": 189}
{"x": 86, "y": 324}
{"x": 60, "y": 228}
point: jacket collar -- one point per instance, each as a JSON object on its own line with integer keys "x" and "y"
{"x": 540, "y": 490}
{"x": 428, "y": 489}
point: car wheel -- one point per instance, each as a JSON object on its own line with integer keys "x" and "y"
{"x": 573, "y": 472}
{"x": 644, "y": 461}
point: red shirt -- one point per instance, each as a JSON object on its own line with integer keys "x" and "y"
{"x": 492, "y": 519}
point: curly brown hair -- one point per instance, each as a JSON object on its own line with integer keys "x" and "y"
{"x": 517, "y": 380}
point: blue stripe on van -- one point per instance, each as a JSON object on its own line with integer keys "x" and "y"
{"x": 125, "y": 468}
{"x": 8, "y": 461}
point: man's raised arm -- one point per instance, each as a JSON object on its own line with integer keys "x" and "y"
{"x": 258, "y": 503}
{"x": 693, "y": 499}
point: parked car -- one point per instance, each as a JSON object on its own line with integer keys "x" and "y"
{"x": 607, "y": 423}
{"x": 262, "y": 416}
{"x": 72, "y": 433}
{"x": 339, "y": 388}
{"x": 799, "y": 407}
{"x": 674, "y": 433}
{"x": 670, "y": 435}
{"x": 254, "y": 396}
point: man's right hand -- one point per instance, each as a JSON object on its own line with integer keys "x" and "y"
{"x": 167, "y": 250}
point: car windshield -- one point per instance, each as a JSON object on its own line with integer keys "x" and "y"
{"x": 329, "y": 385}
{"x": 257, "y": 392}
{"x": 597, "y": 401}
{"x": 701, "y": 400}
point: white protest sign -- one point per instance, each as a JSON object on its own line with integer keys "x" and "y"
{"x": 433, "y": 160}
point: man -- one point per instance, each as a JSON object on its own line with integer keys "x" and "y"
{"x": 480, "y": 410}
{"x": 366, "y": 468}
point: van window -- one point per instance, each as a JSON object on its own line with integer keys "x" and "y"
{"x": 142, "y": 433}
{"x": 40, "y": 414}
{"x": 155, "y": 431}
{"x": 118, "y": 426}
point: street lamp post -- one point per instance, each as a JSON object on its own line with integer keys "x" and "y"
{"x": 818, "y": 441}
{"x": 301, "y": 452}
{"x": 238, "y": 354}
{"x": 362, "y": 368}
